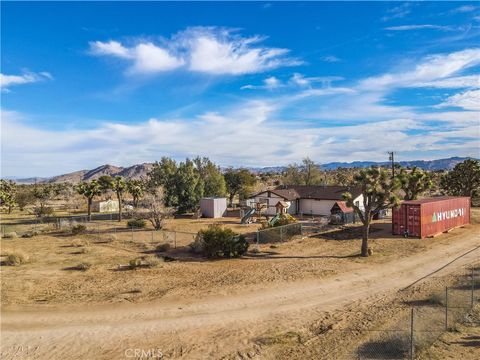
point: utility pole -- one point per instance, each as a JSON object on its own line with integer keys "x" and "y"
{"x": 391, "y": 157}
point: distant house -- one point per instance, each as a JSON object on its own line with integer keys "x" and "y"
{"x": 308, "y": 199}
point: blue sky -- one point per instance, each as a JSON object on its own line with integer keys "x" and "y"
{"x": 252, "y": 83}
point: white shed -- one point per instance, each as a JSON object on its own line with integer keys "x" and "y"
{"x": 105, "y": 206}
{"x": 213, "y": 207}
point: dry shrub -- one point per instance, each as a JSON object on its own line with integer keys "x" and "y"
{"x": 17, "y": 258}
{"x": 163, "y": 247}
{"x": 79, "y": 229}
{"x": 10, "y": 235}
{"x": 153, "y": 261}
{"x": 85, "y": 250}
{"x": 135, "y": 263}
{"x": 84, "y": 266}
{"x": 436, "y": 299}
{"x": 78, "y": 243}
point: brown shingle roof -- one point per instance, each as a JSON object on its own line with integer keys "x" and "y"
{"x": 320, "y": 192}
{"x": 317, "y": 192}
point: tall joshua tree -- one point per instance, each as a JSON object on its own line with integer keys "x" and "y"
{"x": 378, "y": 190}
{"x": 136, "y": 188}
{"x": 89, "y": 190}
{"x": 414, "y": 183}
{"x": 119, "y": 186}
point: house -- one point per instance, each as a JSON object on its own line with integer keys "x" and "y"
{"x": 306, "y": 199}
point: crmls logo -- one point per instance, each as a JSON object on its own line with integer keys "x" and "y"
{"x": 450, "y": 214}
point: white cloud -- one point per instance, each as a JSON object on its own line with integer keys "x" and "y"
{"x": 468, "y": 100}
{"x": 301, "y": 80}
{"x": 417, "y": 27}
{"x": 472, "y": 81}
{"x": 248, "y": 128}
{"x": 398, "y": 12}
{"x": 464, "y": 9}
{"x": 296, "y": 80}
{"x": 113, "y": 48}
{"x": 330, "y": 58}
{"x": 201, "y": 49}
{"x": 433, "y": 68}
{"x": 147, "y": 58}
{"x": 7, "y": 81}
{"x": 269, "y": 83}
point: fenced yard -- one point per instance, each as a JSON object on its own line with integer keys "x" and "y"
{"x": 418, "y": 322}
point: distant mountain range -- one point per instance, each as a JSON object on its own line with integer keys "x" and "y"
{"x": 140, "y": 170}
{"x": 440, "y": 164}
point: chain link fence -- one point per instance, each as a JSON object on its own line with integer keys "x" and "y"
{"x": 419, "y": 322}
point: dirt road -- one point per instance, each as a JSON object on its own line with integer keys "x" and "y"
{"x": 216, "y": 326}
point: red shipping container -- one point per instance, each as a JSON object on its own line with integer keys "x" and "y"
{"x": 431, "y": 216}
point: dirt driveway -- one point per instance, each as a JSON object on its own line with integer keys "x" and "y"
{"x": 213, "y": 326}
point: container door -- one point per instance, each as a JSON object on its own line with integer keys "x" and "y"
{"x": 413, "y": 220}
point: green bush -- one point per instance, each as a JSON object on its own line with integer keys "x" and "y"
{"x": 136, "y": 223}
{"x": 216, "y": 241}
{"x": 79, "y": 229}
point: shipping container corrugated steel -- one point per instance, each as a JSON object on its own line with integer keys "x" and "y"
{"x": 431, "y": 216}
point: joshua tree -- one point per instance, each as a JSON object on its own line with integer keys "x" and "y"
{"x": 136, "y": 188}
{"x": 89, "y": 190}
{"x": 414, "y": 183}
{"x": 463, "y": 180}
{"x": 119, "y": 186}
{"x": 378, "y": 190}
{"x": 7, "y": 194}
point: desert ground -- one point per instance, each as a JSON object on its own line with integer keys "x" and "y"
{"x": 310, "y": 297}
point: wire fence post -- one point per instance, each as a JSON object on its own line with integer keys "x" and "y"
{"x": 411, "y": 335}
{"x": 446, "y": 308}
{"x": 175, "y": 239}
{"x": 473, "y": 287}
{"x": 132, "y": 233}
{"x": 258, "y": 237}
{"x": 301, "y": 229}
{"x": 152, "y": 235}
{"x": 281, "y": 233}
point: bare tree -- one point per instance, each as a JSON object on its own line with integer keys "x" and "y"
{"x": 152, "y": 208}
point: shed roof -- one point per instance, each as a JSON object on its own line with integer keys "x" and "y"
{"x": 343, "y": 207}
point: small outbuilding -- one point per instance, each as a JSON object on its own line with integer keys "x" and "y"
{"x": 213, "y": 207}
{"x": 341, "y": 213}
{"x": 105, "y": 206}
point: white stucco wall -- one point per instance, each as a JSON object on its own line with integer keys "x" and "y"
{"x": 316, "y": 207}
{"x": 306, "y": 206}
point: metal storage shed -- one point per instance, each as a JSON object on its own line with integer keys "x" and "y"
{"x": 213, "y": 207}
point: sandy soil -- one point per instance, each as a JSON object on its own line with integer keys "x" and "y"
{"x": 205, "y": 309}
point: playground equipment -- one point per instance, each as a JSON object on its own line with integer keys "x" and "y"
{"x": 274, "y": 219}
{"x": 247, "y": 218}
